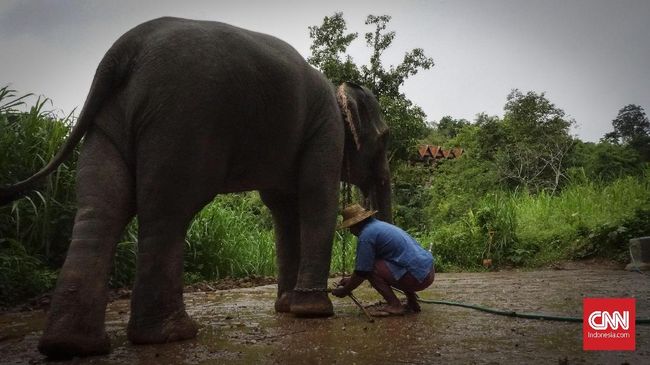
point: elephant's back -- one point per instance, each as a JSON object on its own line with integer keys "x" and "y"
{"x": 212, "y": 68}
{"x": 164, "y": 41}
{"x": 198, "y": 65}
{"x": 232, "y": 92}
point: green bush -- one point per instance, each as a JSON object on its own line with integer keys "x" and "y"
{"x": 584, "y": 220}
{"x": 21, "y": 275}
{"x": 488, "y": 231}
{"x": 411, "y": 195}
{"x": 343, "y": 252}
{"x": 458, "y": 245}
{"x": 35, "y": 230}
{"x": 612, "y": 239}
{"x": 231, "y": 237}
{"x": 42, "y": 221}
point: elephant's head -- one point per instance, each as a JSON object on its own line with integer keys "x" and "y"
{"x": 365, "y": 163}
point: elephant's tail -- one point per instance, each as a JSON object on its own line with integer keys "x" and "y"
{"x": 106, "y": 78}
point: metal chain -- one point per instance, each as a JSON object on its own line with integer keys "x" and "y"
{"x": 310, "y": 290}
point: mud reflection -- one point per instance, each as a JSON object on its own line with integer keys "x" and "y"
{"x": 239, "y": 326}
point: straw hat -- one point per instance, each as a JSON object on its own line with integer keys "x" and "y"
{"x": 353, "y": 214}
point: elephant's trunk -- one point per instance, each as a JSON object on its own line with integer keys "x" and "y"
{"x": 383, "y": 199}
{"x": 380, "y": 195}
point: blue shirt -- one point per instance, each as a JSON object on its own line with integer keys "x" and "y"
{"x": 383, "y": 241}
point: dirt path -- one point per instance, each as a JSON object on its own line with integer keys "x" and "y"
{"x": 239, "y": 326}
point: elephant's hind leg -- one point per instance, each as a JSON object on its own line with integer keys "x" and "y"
{"x": 157, "y": 310}
{"x": 75, "y": 323}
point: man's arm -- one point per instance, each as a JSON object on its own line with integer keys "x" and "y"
{"x": 350, "y": 284}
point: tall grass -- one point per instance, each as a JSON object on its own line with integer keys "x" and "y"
{"x": 233, "y": 237}
{"x": 35, "y": 230}
{"x": 41, "y": 221}
{"x": 522, "y": 229}
{"x": 230, "y": 237}
{"x": 558, "y": 224}
{"x": 580, "y": 207}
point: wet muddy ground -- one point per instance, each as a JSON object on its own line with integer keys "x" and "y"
{"x": 239, "y": 326}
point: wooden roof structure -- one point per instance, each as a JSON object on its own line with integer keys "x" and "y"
{"x": 429, "y": 154}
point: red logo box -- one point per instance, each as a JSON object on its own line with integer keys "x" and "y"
{"x": 608, "y": 324}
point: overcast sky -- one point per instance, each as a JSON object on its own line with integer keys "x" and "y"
{"x": 590, "y": 57}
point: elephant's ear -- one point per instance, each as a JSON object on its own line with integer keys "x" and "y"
{"x": 350, "y": 112}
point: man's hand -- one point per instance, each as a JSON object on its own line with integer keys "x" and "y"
{"x": 347, "y": 285}
{"x": 340, "y": 292}
{"x": 343, "y": 282}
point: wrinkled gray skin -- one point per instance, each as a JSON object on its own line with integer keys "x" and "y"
{"x": 182, "y": 110}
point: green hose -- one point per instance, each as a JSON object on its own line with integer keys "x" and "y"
{"x": 513, "y": 313}
{"x": 516, "y": 314}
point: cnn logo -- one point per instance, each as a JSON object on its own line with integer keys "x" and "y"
{"x": 602, "y": 320}
{"x": 608, "y": 324}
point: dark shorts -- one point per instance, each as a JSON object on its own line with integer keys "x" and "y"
{"x": 407, "y": 283}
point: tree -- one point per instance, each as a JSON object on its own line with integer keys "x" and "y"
{"x": 329, "y": 43}
{"x": 536, "y": 167}
{"x": 606, "y": 161}
{"x": 384, "y": 82}
{"x": 407, "y": 121}
{"x": 450, "y": 127}
{"x": 631, "y": 128}
{"x": 630, "y": 124}
{"x": 531, "y": 118}
{"x": 530, "y": 145}
{"x": 489, "y": 138}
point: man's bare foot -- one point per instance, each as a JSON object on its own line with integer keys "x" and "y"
{"x": 397, "y": 310}
{"x": 412, "y": 303}
{"x": 388, "y": 310}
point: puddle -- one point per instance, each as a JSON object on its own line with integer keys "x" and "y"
{"x": 239, "y": 326}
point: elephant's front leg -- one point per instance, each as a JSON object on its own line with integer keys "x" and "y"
{"x": 75, "y": 323}
{"x": 318, "y": 204}
{"x": 284, "y": 207}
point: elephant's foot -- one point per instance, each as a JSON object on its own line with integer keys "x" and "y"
{"x": 65, "y": 344}
{"x": 283, "y": 303}
{"x": 176, "y": 327}
{"x": 316, "y": 304}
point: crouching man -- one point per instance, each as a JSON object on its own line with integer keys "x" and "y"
{"x": 387, "y": 257}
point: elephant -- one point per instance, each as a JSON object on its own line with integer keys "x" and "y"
{"x": 179, "y": 111}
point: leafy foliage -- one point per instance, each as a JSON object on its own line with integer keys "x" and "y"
{"x": 43, "y": 220}
{"x": 329, "y": 43}
{"x": 525, "y": 192}
{"x": 34, "y": 231}
{"x": 407, "y": 121}
{"x": 383, "y": 82}
{"x": 630, "y": 123}
{"x": 584, "y": 220}
{"x": 631, "y": 128}
{"x": 604, "y": 161}
{"x": 536, "y": 144}
{"x": 21, "y": 274}
{"x": 449, "y": 127}
{"x": 231, "y": 237}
